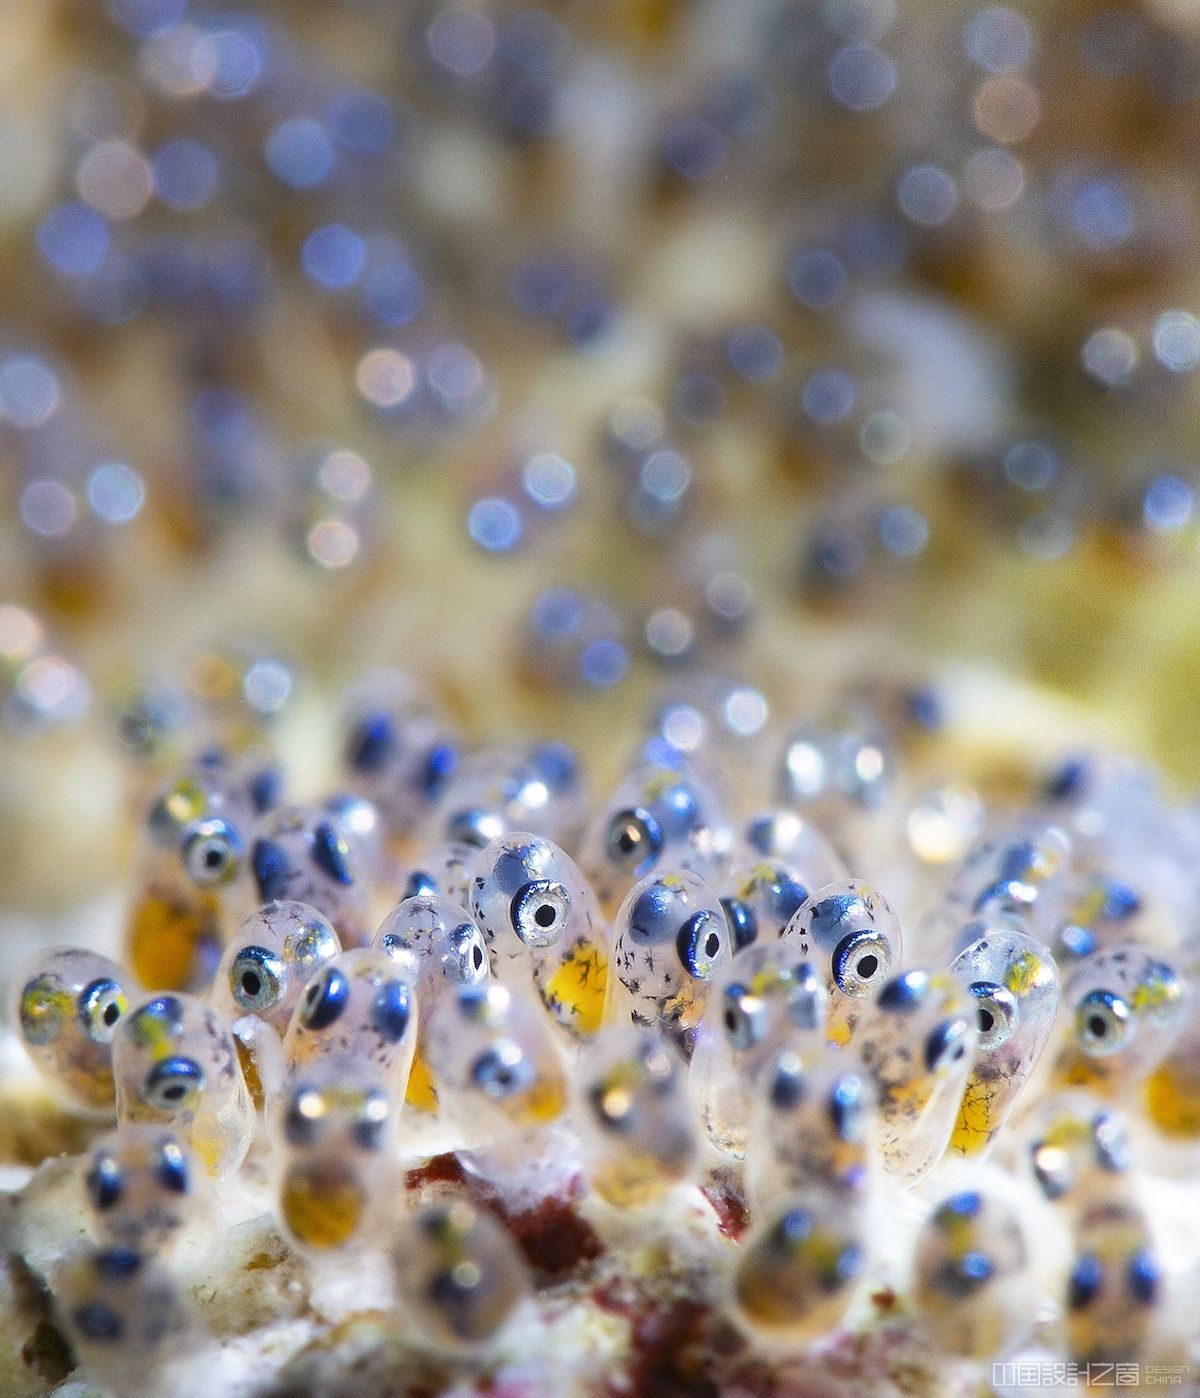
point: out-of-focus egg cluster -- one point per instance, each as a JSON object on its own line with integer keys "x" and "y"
{"x": 799, "y": 333}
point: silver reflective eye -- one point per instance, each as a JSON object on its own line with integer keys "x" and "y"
{"x": 862, "y": 962}
{"x": 848, "y": 1108}
{"x": 1103, "y": 1023}
{"x": 174, "y": 1083}
{"x": 700, "y": 945}
{"x": 633, "y": 841}
{"x": 391, "y": 1011}
{"x": 105, "y": 1184}
{"x": 370, "y": 1125}
{"x": 808, "y": 999}
{"x": 540, "y": 910}
{"x": 466, "y": 959}
{"x": 614, "y": 1104}
{"x": 256, "y": 980}
{"x": 172, "y": 1168}
{"x": 744, "y": 1016}
{"x": 947, "y": 1045}
{"x": 996, "y": 1009}
{"x": 101, "y": 1006}
{"x": 212, "y": 852}
{"x": 1052, "y": 1168}
{"x": 788, "y": 1085}
{"x": 476, "y": 828}
{"x": 305, "y": 1116}
{"x": 325, "y": 998}
{"x": 502, "y": 1070}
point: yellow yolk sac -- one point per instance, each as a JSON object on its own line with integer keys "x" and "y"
{"x": 173, "y": 942}
{"x": 576, "y": 991}
{"x": 322, "y": 1204}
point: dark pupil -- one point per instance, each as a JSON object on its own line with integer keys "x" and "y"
{"x": 174, "y": 1092}
{"x": 212, "y": 857}
{"x": 1097, "y": 1026}
{"x": 112, "y": 1013}
{"x": 959, "y": 1051}
{"x": 731, "y": 1021}
{"x": 712, "y": 944}
{"x": 628, "y": 839}
{"x": 868, "y": 965}
{"x": 477, "y": 957}
{"x": 251, "y": 983}
{"x": 545, "y": 915}
{"x": 986, "y": 1020}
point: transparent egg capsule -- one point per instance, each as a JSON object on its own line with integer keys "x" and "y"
{"x": 1123, "y": 826}
{"x": 943, "y": 823}
{"x": 126, "y": 1317}
{"x": 764, "y": 1000}
{"x": 176, "y": 1065}
{"x": 635, "y": 1115}
{"x": 443, "y": 870}
{"x": 783, "y": 834}
{"x": 971, "y": 1277}
{"x": 153, "y": 717}
{"x": 1014, "y": 983}
{"x": 1112, "y": 805}
{"x": 262, "y": 973}
{"x": 917, "y": 1042}
{"x": 148, "y": 1191}
{"x": 1077, "y": 1149}
{"x": 811, "y": 1122}
{"x": 397, "y": 751}
{"x": 1172, "y": 1091}
{"x": 672, "y": 940}
{"x": 495, "y": 1060}
{"x": 334, "y": 1126}
{"x": 797, "y": 1271}
{"x": 1124, "y": 1010}
{"x": 66, "y": 1004}
{"x": 658, "y": 818}
{"x": 360, "y": 822}
{"x": 838, "y": 764}
{"x": 540, "y": 919}
{"x": 238, "y": 687}
{"x": 193, "y": 867}
{"x": 1019, "y": 874}
{"x": 762, "y": 899}
{"x": 458, "y": 1275}
{"x": 311, "y": 854}
{"x": 270, "y": 959}
{"x": 851, "y": 928}
{"x": 441, "y": 938}
{"x": 498, "y": 792}
{"x": 1116, "y": 1287}
{"x": 449, "y": 950}
{"x": 362, "y": 1005}
{"x": 1101, "y": 914}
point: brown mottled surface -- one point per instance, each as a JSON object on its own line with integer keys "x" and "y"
{"x": 725, "y": 1193}
{"x": 554, "y": 1238}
